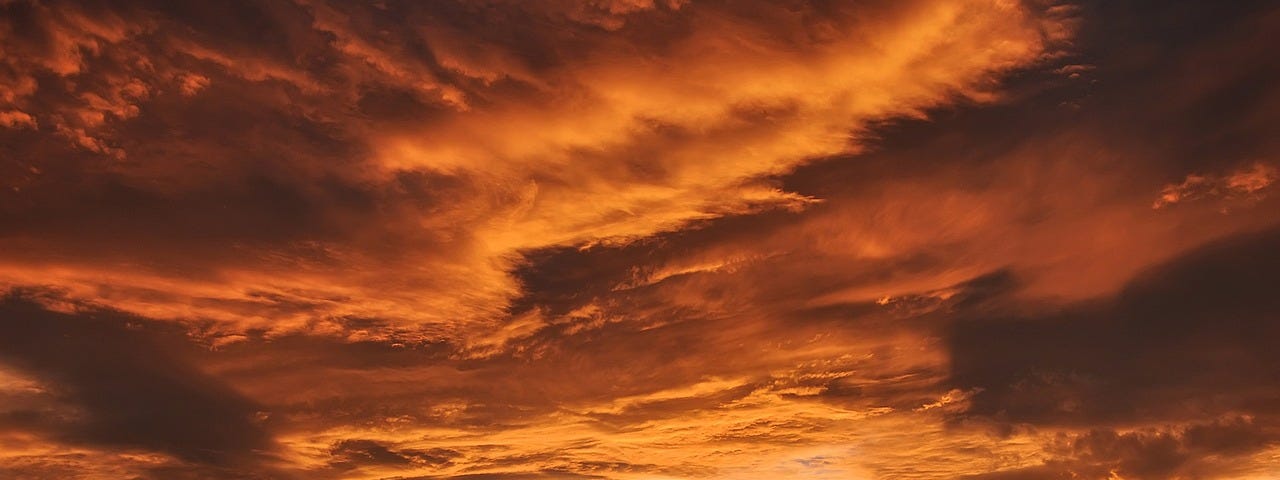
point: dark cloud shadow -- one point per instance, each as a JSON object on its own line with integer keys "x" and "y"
{"x": 129, "y": 384}
{"x": 1192, "y": 340}
{"x": 1192, "y": 337}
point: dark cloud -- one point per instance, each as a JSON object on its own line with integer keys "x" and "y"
{"x": 1201, "y": 323}
{"x": 128, "y": 385}
{"x": 1200, "y": 450}
{"x": 355, "y": 452}
{"x": 1165, "y": 454}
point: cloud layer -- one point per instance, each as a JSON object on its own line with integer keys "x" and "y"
{"x": 988, "y": 239}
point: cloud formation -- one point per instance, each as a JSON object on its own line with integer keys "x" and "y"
{"x": 307, "y": 173}
{"x": 629, "y": 239}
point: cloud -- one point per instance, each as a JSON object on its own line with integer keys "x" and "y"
{"x": 636, "y": 240}
{"x": 298, "y": 177}
{"x": 1219, "y": 449}
{"x": 1181, "y": 343}
{"x": 356, "y": 452}
{"x": 1193, "y": 325}
{"x": 121, "y": 385}
{"x": 1242, "y": 184}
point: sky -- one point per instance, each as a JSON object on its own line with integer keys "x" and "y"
{"x": 639, "y": 239}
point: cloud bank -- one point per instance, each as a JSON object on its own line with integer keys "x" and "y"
{"x": 984, "y": 239}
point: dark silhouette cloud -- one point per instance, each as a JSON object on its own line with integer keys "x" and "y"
{"x": 127, "y": 385}
{"x": 1201, "y": 323}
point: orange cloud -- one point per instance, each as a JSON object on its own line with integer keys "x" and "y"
{"x": 1244, "y": 183}
{"x": 612, "y": 145}
{"x": 636, "y": 239}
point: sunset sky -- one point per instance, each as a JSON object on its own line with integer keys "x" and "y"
{"x": 640, "y": 239}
